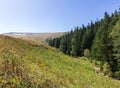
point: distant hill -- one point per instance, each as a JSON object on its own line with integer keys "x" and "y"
{"x": 36, "y": 37}
{"x": 24, "y": 64}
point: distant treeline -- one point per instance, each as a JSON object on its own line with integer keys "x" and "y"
{"x": 99, "y": 40}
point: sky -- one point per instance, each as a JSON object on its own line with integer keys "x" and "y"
{"x": 51, "y": 15}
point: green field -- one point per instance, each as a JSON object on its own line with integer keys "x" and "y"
{"x": 27, "y": 65}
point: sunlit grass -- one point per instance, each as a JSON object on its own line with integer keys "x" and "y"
{"x": 47, "y": 67}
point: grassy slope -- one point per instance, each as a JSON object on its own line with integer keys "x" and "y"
{"x": 49, "y": 68}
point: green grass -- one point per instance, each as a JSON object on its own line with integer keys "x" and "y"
{"x": 46, "y": 67}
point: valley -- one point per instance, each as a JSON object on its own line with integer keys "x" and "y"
{"x": 40, "y": 66}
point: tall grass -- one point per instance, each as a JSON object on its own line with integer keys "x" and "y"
{"x": 26, "y": 65}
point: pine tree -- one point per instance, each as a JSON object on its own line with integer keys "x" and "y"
{"x": 100, "y": 45}
{"x": 115, "y": 61}
{"x": 57, "y": 42}
{"x": 63, "y": 44}
{"x": 101, "y": 38}
{"x": 69, "y": 46}
{"x": 74, "y": 43}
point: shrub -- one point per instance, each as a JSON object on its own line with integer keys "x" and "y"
{"x": 87, "y": 53}
{"x": 13, "y": 71}
{"x": 106, "y": 69}
{"x": 117, "y": 75}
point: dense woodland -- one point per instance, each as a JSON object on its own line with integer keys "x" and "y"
{"x": 99, "y": 41}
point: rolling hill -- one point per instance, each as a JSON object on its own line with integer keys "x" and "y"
{"x": 36, "y": 37}
{"x": 24, "y": 64}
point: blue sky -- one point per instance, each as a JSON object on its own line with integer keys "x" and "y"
{"x": 51, "y": 15}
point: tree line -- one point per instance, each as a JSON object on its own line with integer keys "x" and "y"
{"x": 99, "y": 41}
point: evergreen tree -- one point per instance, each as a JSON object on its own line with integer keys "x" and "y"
{"x": 57, "y": 42}
{"x": 76, "y": 43}
{"x": 69, "y": 46}
{"x": 115, "y": 61}
{"x": 63, "y": 44}
{"x": 51, "y": 43}
{"x": 101, "y": 38}
{"x": 99, "y": 47}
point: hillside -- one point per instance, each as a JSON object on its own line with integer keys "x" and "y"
{"x": 26, "y": 65}
{"x": 36, "y": 37}
{"x": 99, "y": 40}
